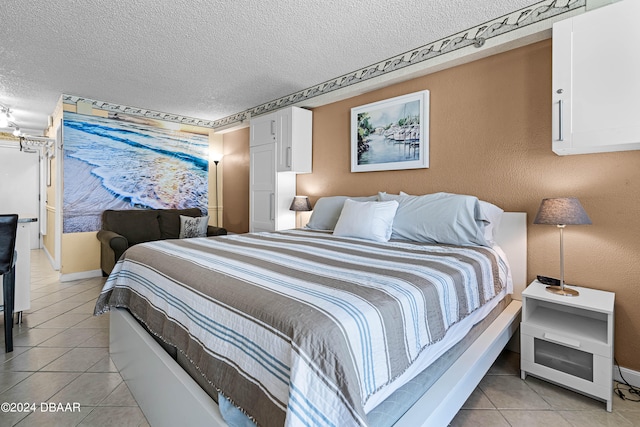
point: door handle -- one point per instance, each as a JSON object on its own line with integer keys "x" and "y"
{"x": 561, "y": 340}
{"x": 560, "y": 129}
{"x": 272, "y": 211}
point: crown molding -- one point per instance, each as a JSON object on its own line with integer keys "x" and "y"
{"x": 457, "y": 48}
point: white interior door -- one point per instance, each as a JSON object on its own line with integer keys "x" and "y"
{"x": 19, "y": 187}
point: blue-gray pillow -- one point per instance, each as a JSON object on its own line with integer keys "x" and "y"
{"x": 446, "y": 218}
{"x": 490, "y": 211}
{"x": 327, "y": 211}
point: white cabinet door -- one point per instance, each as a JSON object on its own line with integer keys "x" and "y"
{"x": 285, "y": 144}
{"x": 271, "y": 192}
{"x": 595, "y": 81}
{"x": 262, "y": 188}
{"x": 294, "y": 140}
{"x": 263, "y": 130}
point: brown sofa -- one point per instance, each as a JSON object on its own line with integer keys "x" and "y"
{"x": 122, "y": 229}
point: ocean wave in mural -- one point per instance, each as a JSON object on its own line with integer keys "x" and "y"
{"x": 125, "y": 162}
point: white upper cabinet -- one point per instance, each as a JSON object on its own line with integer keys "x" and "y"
{"x": 596, "y": 81}
{"x": 291, "y": 130}
{"x": 263, "y": 130}
{"x": 294, "y": 140}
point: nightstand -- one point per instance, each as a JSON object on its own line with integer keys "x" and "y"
{"x": 569, "y": 340}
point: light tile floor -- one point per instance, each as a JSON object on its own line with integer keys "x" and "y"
{"x": 503, "y": 399}
{"x": 61, "y": 356}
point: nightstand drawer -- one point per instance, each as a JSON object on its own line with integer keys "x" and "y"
{"x": 571, "y": 341}
{"x": 580, "y": 370}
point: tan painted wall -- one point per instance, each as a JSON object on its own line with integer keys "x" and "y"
{"x": 236, "y": 181}
{"x": 491, "y": 137}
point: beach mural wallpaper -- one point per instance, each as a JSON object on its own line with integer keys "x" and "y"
{"x": 129, "y": 162}
{"x": 391, "y": 134}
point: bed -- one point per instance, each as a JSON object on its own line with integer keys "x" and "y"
{"x": 302, "y": 325}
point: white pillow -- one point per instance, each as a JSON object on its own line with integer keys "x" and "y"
{"x": 439, "y": 218}
{"x": 327, "y": 211}
{"x": 193, "y": 226}
{"x": 366, "y": 220}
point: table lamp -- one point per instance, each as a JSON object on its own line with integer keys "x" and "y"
{"x": 300, "y": 204}
{"x": 562, "y": 212}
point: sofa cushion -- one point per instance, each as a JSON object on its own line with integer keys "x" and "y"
{"x": 137, "y": 226}
{"x": 169, "y": 220}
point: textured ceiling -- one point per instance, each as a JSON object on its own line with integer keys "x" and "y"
{"x": 206, "y": 59}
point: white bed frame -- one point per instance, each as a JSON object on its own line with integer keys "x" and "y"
{"x": 168, "y": 396}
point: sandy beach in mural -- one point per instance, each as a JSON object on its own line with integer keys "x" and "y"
{"x": 115, "y": 164}
{"x": 86, "y": 198}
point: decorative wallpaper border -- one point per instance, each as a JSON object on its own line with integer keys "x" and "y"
{"x": 475, "y": 36}
{"x": 140, "y": 112}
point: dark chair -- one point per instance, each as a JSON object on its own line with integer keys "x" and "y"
{"x": 8, "y": 231}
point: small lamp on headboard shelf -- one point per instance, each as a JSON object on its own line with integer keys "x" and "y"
{"x": 300, "y": 204}
{"x": 562, "y": 212}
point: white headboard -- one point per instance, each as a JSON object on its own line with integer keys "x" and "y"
{"x": 512, "y": 238}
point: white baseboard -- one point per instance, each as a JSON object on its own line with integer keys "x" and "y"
{"x": 80, "y": 275}
{"x": 51, "y": 260}
{"x": 631, "y": 376}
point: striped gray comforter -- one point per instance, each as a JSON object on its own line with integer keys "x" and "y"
{"x": 301, "y": 327}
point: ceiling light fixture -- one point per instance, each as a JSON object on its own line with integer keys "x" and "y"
{"x": 6, "y": 121}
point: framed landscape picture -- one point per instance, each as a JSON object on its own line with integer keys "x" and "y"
{"x": 391, "y": 134}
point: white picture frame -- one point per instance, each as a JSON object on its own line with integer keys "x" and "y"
{"x": 392, "y": 134}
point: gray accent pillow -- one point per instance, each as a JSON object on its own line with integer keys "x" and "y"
{"x": 193, "y": 227}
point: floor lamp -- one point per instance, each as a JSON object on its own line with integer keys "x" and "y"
{"x": 562, "y": 212}
{"x": 216, "y": 161}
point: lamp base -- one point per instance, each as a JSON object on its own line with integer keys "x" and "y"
{"x": 564, "y": 291}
